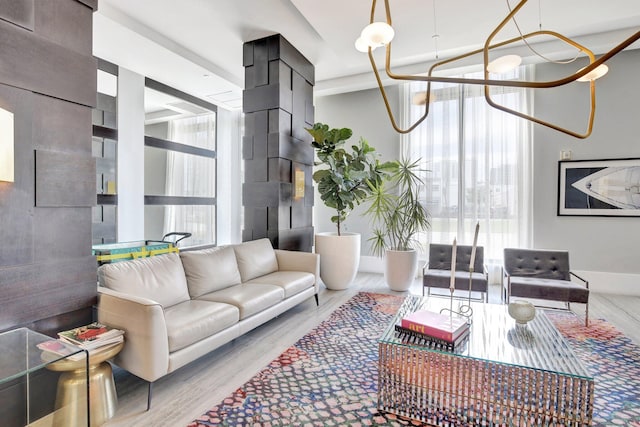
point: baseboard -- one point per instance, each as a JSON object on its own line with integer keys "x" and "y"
{"x": 604, "y": 282}
{"x": 601, "y": 282}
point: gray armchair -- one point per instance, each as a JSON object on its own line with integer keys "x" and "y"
{"x": 437, "y": 272}
{"x": 543, "y": 274}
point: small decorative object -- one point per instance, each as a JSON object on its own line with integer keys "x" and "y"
{"x": 522, "y": 311}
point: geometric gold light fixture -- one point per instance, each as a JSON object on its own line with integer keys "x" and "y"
{"x": 378, "y": 34}
{"x": 6, "y": 146}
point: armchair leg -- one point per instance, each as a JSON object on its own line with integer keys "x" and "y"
{"x": 586, "y": 315}
{"x": 317, "y": 301}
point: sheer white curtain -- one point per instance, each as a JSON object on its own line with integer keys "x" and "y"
{"x": 191, "y": 175}
{"x": 479, "y": 164}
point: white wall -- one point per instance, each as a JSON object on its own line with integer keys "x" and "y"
{"x": 364, "y": 113}
{"x": 130, "y": 169}
{"x": 596, "y": 244}
{"x": 229, "y": 188}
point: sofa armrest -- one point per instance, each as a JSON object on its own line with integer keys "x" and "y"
{"x": 146, "y": 349}
{"x": 299, "y": 261}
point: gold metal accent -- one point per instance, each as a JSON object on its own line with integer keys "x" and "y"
{"x": 72, "y": 389}
{"x": 298, "y": 179}
{"x": 487, "y": 82}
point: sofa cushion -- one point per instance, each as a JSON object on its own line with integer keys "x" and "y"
{"x": 159, "y": 278}
{"x": 249, "y": 298}
{"x": 192, "y": 321}
{"x": 255, "y": 258}
{"x": 210, "y": 270}
{"x": 292, "y": 282}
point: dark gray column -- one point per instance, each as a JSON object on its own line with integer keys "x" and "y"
{"x": 278, "y": 105}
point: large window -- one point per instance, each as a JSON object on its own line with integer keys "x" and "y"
{"x": 179, "y": 165}
{"x": 479, "y": 162}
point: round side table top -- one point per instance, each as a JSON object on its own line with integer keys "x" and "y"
{"x": 96, "y": 356}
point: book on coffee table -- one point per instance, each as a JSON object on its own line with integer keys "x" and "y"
{"x": 441, "y": 326}
{"x": 412, "y": 337}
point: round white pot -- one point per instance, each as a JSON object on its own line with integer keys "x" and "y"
{"x": 400, "y": 269}
{"x": 339, "y": 258}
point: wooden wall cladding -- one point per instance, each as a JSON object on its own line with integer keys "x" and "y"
{"x": 48, "y": 81}
{"x": 18, "y": 12}
{"x": 278, "y": 106}
{"x": 43, "y": 66}
{"x": 64, "y": 180}
{"x": 35, "y": 293}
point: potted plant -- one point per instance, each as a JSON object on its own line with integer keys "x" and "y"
{"x": 398, "y": 216}
{"x": 346, "y": 182}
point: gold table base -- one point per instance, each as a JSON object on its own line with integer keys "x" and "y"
{"x": 72, "y": 389}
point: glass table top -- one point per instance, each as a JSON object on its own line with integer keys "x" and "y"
{"x": 21, "y": 355}
{"x": 495, "y": 337}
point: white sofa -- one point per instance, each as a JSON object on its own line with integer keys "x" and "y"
{"x": 175, "y": 308}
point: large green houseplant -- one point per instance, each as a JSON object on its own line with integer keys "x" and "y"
{"x": 345, "y": 182}
{"x": 349, "y": 176}
{"x": 398, "y": 216}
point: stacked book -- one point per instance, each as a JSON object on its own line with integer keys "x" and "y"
{"x": 92, "y": 336}
{"x": 435, "y": 330}
{"x": 89, "y": 337}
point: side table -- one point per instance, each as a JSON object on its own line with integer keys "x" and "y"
{"x": 71, "y": 386}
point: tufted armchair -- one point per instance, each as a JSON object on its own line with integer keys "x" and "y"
{"x": 437, "y": 272}
{"x": 543, "y": 274}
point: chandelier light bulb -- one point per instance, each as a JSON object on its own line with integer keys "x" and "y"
{"x": 362, "y": 46}
{"x": 377, "y": 34}
{"x": 594, "y": 74}
{"x": 504, "y": 64}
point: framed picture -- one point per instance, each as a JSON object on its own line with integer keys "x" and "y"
{"x": 609, "y": 187}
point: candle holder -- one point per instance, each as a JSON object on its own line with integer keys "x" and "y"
{"x": 464, "y": 310}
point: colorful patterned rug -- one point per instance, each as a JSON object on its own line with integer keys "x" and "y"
{"x": 329, "y": 377}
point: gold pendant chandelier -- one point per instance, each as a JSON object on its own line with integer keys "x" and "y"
{"x": 378, "y": 34}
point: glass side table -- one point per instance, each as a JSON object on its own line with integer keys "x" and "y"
{"x": 21, "y": 362}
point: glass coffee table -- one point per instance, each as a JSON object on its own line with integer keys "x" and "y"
{"x": 502, "y": 375}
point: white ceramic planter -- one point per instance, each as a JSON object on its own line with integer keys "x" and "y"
{"x": 400, "y": 269}
{"x": 339, "y": 258}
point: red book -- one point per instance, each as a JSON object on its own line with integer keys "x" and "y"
{"x": 442, "y": 326}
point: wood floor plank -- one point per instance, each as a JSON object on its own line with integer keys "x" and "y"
{"x": 187, "y": 393}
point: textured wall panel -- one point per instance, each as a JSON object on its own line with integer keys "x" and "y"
{"x": 276, "y": 114}
{"x": 66, "y": 23}
{"x": 16, "y": 199}
{"x": 61, "y": 126}
{"x": 65, "y": 180}
{"x": 260, "y": 98}
{"x": 19, "y": 12}
{"x": 46, "y": 289}
{"x": 48, "y": 80}
{"x": 63, "y": 233}
{"x": 37, "y": 64}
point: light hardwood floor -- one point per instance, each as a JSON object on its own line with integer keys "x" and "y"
{"x": 187, "y": 393}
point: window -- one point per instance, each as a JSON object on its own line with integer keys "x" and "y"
{"x": 478, "y": 160}
{"x": 179, "y": 165}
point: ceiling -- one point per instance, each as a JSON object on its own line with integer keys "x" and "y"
{"x": 196, "y": 45}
